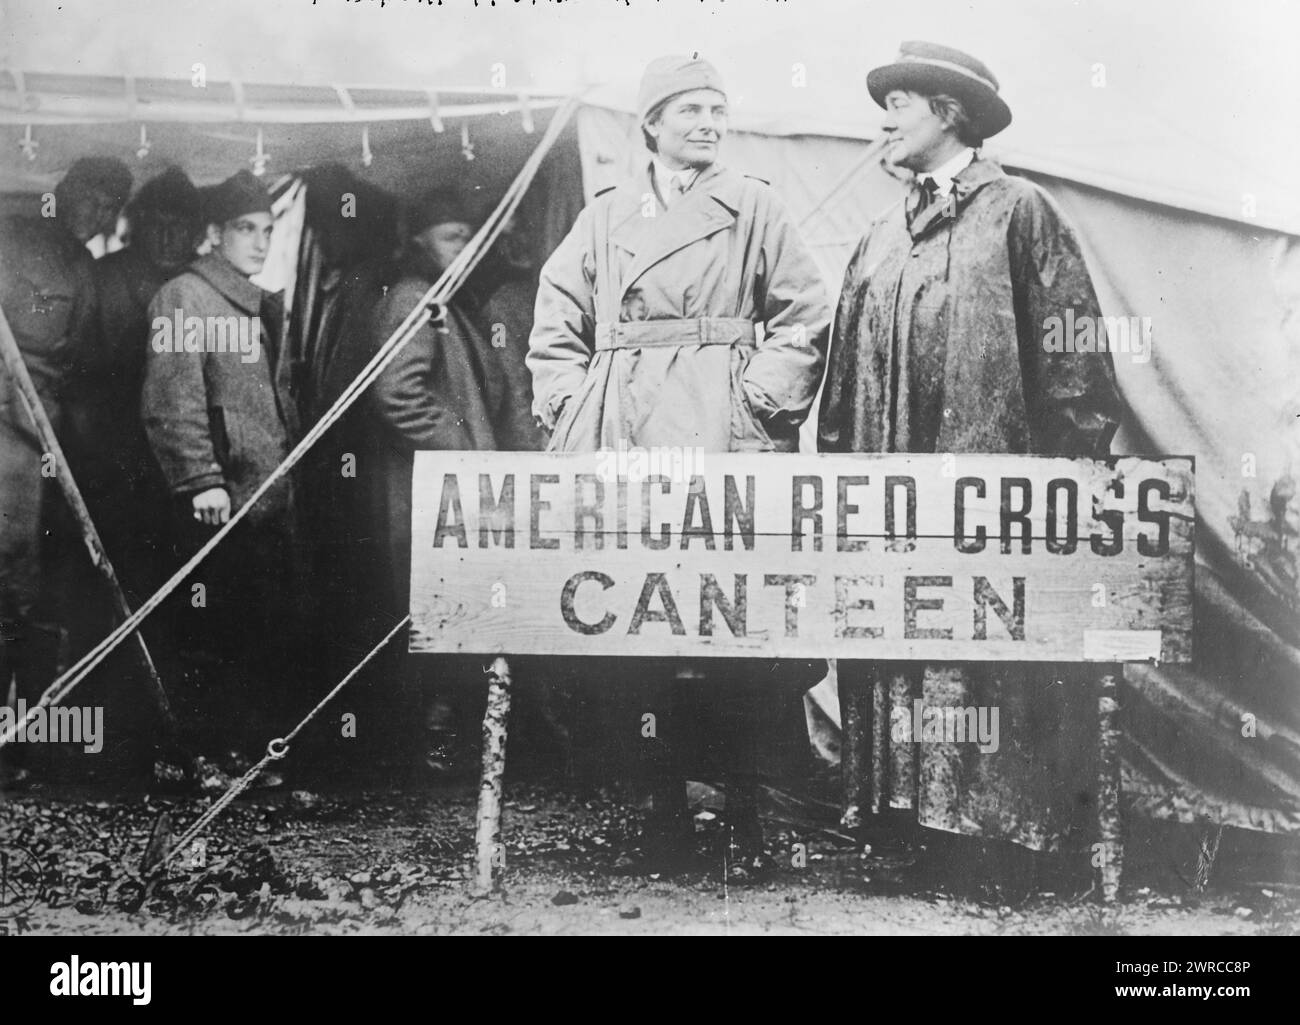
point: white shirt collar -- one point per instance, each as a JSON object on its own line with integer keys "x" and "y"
{"x": 948, "y": 170}
{"x": 665, "y": 174}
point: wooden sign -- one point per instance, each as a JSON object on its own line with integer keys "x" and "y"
{"x": 683, "y": 553}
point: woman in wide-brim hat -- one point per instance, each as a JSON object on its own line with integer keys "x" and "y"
{"x": 933, "y": 70}
{"x": 938, "y": 347}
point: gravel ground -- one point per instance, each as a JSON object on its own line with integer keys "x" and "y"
{"x": 398, "y": 862}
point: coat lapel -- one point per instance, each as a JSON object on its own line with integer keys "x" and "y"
{"x": 237, "y": 289}
{"x": 628, "y": 225}
{"x": 969, "y": 180}
{"x": 710, "y": 206}
{"x": 919, "y": 225}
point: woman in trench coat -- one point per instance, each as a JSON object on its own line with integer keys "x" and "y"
{"x": 684, "y": 310}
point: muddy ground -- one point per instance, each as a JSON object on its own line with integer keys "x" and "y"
{"x": 397, "y": 861}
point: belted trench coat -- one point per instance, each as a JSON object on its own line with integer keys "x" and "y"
{"x": 702, "y": 325}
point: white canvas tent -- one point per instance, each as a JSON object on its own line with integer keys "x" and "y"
{"x": 1173, "y": 190}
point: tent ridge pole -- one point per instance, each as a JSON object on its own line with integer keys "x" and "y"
{"x": 20, "y": 84}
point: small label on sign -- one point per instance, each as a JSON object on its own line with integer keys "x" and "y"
{"x": 1121, "y": 645}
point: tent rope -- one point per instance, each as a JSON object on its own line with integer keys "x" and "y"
{"x": 430, "y": 307}
{"x": 275, "y": 750}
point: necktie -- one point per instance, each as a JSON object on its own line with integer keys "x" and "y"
{"x": 929, "y": 190}
{"x": 676, "y": 189}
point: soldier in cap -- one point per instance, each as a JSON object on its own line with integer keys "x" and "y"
{"x": 219, "y": 413}
{"x": 220, "y": 421}
{"x": 47, "y": 291}
{"x": 645, "y": 335}
{"x": 938, "y": 347}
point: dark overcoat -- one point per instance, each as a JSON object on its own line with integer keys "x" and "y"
{"x": 115, "y": 467}
{"x": 430, "y": 397}
{"x": 47, "y": 291}
{"x": 940, "y": 328}
{"x": 942, "y": 343}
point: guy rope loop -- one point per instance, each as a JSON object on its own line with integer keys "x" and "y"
{"x": 437, "y": 296}
{"x": 275, "y": 750}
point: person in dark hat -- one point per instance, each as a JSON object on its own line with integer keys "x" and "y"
{"x": 106, "y": 444}
{"x": 346, "y": 262}
{"x": 938, "y": 346}
{"x": 354, "y": 234}
{"x": 647, "y": 334}
{"x": 165, "y": 220}
{"x": 239, "y": 225}
{"x": 219, "y": 413}
{"x": 90, "y": 196}
{"x": 115, "y": 468}
{"x": 438, "y": 393}
{"x": 47, "y": 290}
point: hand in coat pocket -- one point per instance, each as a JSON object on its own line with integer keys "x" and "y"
{"x": 748, "y": 429}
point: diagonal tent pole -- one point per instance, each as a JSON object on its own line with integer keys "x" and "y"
{"x": 869, "y": 156}
{"x": 12, "y": 359}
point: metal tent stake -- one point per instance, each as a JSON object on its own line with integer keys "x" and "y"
{"x": 489, "y": 853}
